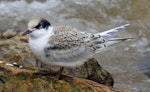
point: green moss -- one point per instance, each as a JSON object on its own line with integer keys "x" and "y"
{"x": 15, "y": 84}
{"x": 40, "y": 85}
{"x": 62, "y": 86}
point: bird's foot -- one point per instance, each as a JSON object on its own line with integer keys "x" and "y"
{"x": 50, "y": 73}
{"x": 58, "y": 73}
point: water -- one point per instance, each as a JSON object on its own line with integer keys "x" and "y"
{"x": 128, "y": 62}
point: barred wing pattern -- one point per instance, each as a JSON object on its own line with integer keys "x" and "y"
{"x": 69, "y": 45}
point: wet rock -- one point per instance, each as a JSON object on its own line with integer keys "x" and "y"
{"x": 14, "y": 48}
{"x": 9, "y": 33}
{"x": 98, "y": 74}
{"x": 93, "y": 71}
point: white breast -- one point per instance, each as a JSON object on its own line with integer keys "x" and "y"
{"x": 37, "y": 44}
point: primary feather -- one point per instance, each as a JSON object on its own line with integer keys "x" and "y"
{"x": 113, "y": 32}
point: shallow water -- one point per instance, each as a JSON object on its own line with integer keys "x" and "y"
{"x": 128, "y": 62}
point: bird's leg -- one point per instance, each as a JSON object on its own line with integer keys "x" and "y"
{"x": 86, "y": 67}
{"x": 59, "y": 72}
{"x": 43, "y": 71}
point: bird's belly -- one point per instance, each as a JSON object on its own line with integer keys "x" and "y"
{"x": 37, "y": 48}
{"x": 70, "y": 64}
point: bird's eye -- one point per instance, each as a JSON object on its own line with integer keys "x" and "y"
{"x": 43, "y": 24}
{"x": 39, "y": 26}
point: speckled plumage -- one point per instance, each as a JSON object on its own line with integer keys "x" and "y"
{"x": 65, "y": 46}
{"x": 69, "y": 45}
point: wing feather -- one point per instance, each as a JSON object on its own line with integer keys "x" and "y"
{"x": 68, "y": 44}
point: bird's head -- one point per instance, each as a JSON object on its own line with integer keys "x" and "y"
{"x": 37, "y": 26}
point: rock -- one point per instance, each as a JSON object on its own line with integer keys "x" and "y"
{"x": 93, "y": 71}
{"x": 14, "y": 79}
{"x": 98, "y": 74}
{"x": 9, "y": 33}
{"x": 14, "y": 48}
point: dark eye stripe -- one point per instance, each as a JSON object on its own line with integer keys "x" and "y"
{"x": 38, "y": 26}
{"x": 43, "y": 24}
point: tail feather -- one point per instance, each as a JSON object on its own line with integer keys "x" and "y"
{"x": 113, "y": 41}
{"x": 110, "y": 42}
{"x": 105, "y": 39}
{"x": 113, "y": 32}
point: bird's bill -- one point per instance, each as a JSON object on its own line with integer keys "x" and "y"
{"x": 27, "y": 32}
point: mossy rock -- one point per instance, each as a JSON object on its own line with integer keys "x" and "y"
{"x": 14, "y": 79}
